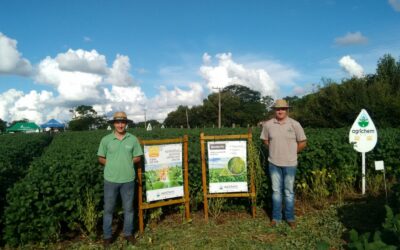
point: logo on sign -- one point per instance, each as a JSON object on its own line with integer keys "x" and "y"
{"x": 363, "y": 121}
{"x": 363, "y": 134}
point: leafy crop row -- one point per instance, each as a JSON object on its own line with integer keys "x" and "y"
{"x": 45, "y": 203}
{"x": 16, "y": 152}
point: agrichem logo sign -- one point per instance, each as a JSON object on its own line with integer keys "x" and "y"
{"x": 363, "y": 134}
{"x": 363, "y": 121}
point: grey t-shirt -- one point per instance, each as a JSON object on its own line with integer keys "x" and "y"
{"x": 283, "y": 138}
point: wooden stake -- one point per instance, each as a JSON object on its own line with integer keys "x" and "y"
{"x": 204, "y": 177}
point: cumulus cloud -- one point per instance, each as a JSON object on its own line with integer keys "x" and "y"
{"x": 228, "y": 72}
{"x": 351, "y": 39}
{"x": 395, "y": 4}
{"x": 351, "y": 66}
{"x": 83, "y": 77}
{"x": 16, "y": 105}
{"x": 7, "y": 100}
{"x": 77, "y": 75}
{"x": 71, "y": 85}
{"x": 281, "y": 74}
{"x": 11, "y": 61}
{"x": 131, "y": 100}
{"x": 119, "y": 73}
{"x": 168, "y": 100}
{"x": 135, "y": 103}
{"x": 82, "y": 61}
{"x": 206, "y": 58}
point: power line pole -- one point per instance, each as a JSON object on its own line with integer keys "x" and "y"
{"x": 219, "y": 106}
{"x": 145, "y": 118}
{"x": 187, "y": 119}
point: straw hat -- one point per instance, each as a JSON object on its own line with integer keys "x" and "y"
{"x": 280, "y": 103}
{"x": 119, "y": 116}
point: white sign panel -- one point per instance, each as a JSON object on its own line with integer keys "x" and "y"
{"x": 163, "y": 171}
{"x": 363, "y": 134}
{"x": 379, "y": 165}
{"x": 227, "y": 166}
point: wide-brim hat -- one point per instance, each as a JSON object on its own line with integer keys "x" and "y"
{"x": 119, "y": 116}
{"x": 280, "y": 103}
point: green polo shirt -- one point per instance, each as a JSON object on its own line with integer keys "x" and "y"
{"x": 119, "y": 166}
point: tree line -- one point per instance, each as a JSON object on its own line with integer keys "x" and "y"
{"x": 336, "y": 105}
{"x": 240, "y": 105}
{"x": 331, "y": 105}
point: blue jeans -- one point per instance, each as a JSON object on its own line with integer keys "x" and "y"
{"x": 111, "y": 191}
{"x": 282, "y": 179}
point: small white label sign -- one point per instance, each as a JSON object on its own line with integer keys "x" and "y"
{"x": 363, "y": 134}
{"x": 379, "y": 165}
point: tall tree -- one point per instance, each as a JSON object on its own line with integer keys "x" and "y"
{"x": 239, "y": 105}
{"x": 176, "y": 118}
{"x": 3, "y": 125}
{"x": 86, "y": 118}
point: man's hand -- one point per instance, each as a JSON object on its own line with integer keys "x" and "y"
{"x": 102, "y": 160}
{"x": 266, "y": 143}
{"x": 301, "y": 145}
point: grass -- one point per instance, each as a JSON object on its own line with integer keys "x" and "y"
{"x": 316, "y": 229}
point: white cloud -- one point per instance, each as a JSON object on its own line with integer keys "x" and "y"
{"x": 281, "y": 74}
{"x": 351, "y": 66}
{"x": 206, "y": 58}
{"x": 7, "y": 100}
{"x": 131, "y": 100}
{"x": 168, "y": 100}
{"x": 395, "y": 4}
{"x": 87, "y": 39}
{"x": 228, "y": 72}
{"x": 83, "y": 77}
{"x": 34, "y": 106}
{"x": 299, "y": 91}
{"x": 31, "y": 106}
{"x": 125, "y": 94}
{"x": 134, "y": 102}
{"x": 119, "y": 73}
{"x": 351, "y": 38}
{"x": 77, "y": 74}
{"x": 82, "y": 61}
{"x": 71, "y": 85}
{"x": 11, "y": 61}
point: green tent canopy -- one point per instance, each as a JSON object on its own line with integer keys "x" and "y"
{"x": 27, "y": 127}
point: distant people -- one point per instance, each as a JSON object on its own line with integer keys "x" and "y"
{"x": 285, "y": 138}
{"x": 118, "y": 152}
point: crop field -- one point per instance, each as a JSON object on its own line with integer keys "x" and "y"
{"x": 57, "y": 198}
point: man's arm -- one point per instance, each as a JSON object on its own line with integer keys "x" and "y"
{"x": 136, "y": 159}
{"x": 102, "y": 160}
{"x": 266, "y": 143}
{"x": 301, "y": 145}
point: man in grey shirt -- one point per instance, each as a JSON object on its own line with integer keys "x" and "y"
{"x": 284, "y": 137}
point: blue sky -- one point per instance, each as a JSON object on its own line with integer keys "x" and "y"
{"x": 156, "y": 55}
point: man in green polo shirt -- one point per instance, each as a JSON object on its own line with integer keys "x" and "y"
{"x": 285, "y": 138}
{"x": 118, "y": 152}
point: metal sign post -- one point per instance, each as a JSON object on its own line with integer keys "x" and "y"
{"x": 363, "y": 172}
{"x": 364, "y": 136}
{"x": 379, "y": 165}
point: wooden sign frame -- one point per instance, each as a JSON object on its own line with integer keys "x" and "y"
{"x": 184, "y": 200}
{"x": 251, "y": 194}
